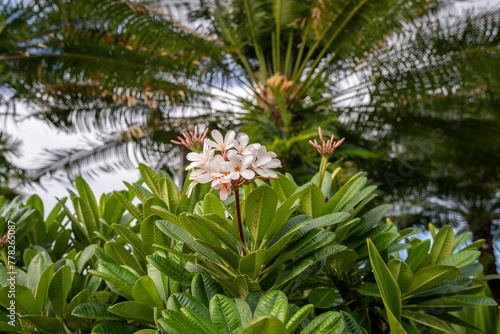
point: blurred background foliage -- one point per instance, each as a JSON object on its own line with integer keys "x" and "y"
{"x": 413, "y": 85}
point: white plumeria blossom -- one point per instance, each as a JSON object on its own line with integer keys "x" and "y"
{"x": 236, "y": 164}
{"x": 199, "y": 159}
{"x": 221, "y": 143}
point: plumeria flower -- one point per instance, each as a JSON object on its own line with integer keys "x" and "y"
{"x": 238, "y": 166}
{"x": 264, "y": 161}
{"x": 242, "y": 147}
{"x": 221, "y": 143}
{"x": 210, "y": 171}
{"x": 225, "y": 189}
{"x": 199, "y": 159}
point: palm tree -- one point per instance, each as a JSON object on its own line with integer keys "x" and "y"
{"x": 389, "y": 75}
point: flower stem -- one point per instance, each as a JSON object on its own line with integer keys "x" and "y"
{"x": 238, "y": 217}
{"x": 322, "y": 170}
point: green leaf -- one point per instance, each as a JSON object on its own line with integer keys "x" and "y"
{"x": 387, "y": 285}
{"x": 113, "y": 328}
{"x": 443, "y": 245}
{"x": 131, "y": 208}
{"x": 329, "y": 322}
{"x": 283, "y": 187}
{"x": 121, "y": 256}
{"x": 88, "y": 205}
{"x": 119, "y": 279}
{"x": 44, "y": 323}
{"x": 170, "y": 269}
{"x": 213, "y": 205}
{"x": 59, "y": 289}
{"x": 428, "y": 320}
{"x": 25, "y": 302}
{"x": 199, "y": 322}
{"x": 259, "y": 212}
{"x": 169, "y": 193}
{"x": 144, "y": 291}
{"x": 178, "y": 233}
{"x": 322, "y": 297}
{"x": 150, "y": 178}
{"x": 151, "y": 235}
{"x": 431, "y": 276}
{"x": 179, "y": 300}
{"x": 36, "y": 268}
{"x": 204, "y": 288}
{"x": 401, "y": 273}
{"x": 174, "y": 322}
{"x": 265, "y": 324}
{"x": 418, "y": 255}
{"x": 251, "y": 263}
{"x": 351, "y": 326}
{"x": 94, "y": 310}
{"x": 42, "y": 289}
{"x": 298, "y": 317}
{"x": 133, "y": 310}
{"x": 461, "y": 259}
{"x": 346, "y": 193}
{"x": 133, "y": 239}
{"x": 312, "y": 201}
{"x": 224, "y": 315}
{"x": 458, "y": 301}
{"x": 273, "y": 303}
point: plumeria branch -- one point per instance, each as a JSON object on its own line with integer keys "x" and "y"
{"x": 228, "y": 164}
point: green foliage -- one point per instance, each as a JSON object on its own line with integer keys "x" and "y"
{"x": 315, "y": 260}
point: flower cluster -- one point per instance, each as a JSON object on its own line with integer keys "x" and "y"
{"x": 229, "y": 163}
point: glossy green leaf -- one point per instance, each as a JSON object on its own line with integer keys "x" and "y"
{"x": 312, "y": 201}
{"x": 265, "y": 324}
{"x": 213, "y": 205}
{"x": 387, "y": 285}
{"x": 259, "y": 212}
{"x": 251, "y": 263}
{"x": 42, "y": 290}
{"x": 144, "y": 291}
{"x": 150, "y": 178}
{"x": 273, "y": 303}
{"x": 401, "y": 273}
{"x": 458, "y": 301}
{"x": 133, "y": 239}
{"x": 180, "y": 300}
{"x": 198, "y": 322}
{"x": 131, "y": 208}
{"x": 428, "y": 320}
{"x": 59, "y": 288}
{"x": 204, "y": 288}
{"x": 322, "y": 297}
{"x": 431, "y": 276}
{"x": 298, "y": 317}
{"x": 329, "y": 322}
{"x": 224, "y": 315}
{"x": 418, "y": 256}
{"x": 170, "y": 269}
{"x": 94, "y": 310}
{"x": 151, "y": 235}
{"x": 118, "y": 278}
{"x": 113, "y": 328}
{"x": 44, "y": 323}
{"x": 461, "y": 259}
{"x": 36, "y": 268}
{"x": 25, "y": 302}
{"x": 351, "y": 326}
{"x": 443, "y": 245}
{"x": 133, "y": 310}
{"x": 121, "y": 256}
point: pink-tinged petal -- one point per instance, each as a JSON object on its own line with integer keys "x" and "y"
{"x": 217, "y": 136}
{"x": 211, "y": 143}
{"x": 262, "y": 160}
{"x": 247, "y": 174}
{"x": 247, "y": 161}
{"x": 274, "y": 163}
{"x": 204, "y": 178}
{"x": 264, "y": 172}
{"x": 224, "y": 193}
{"x": 226, "y": 166}
{"x": 234, "y": 175}
{"x": 230, "y": 135}
{"x": 190, "y": 188}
